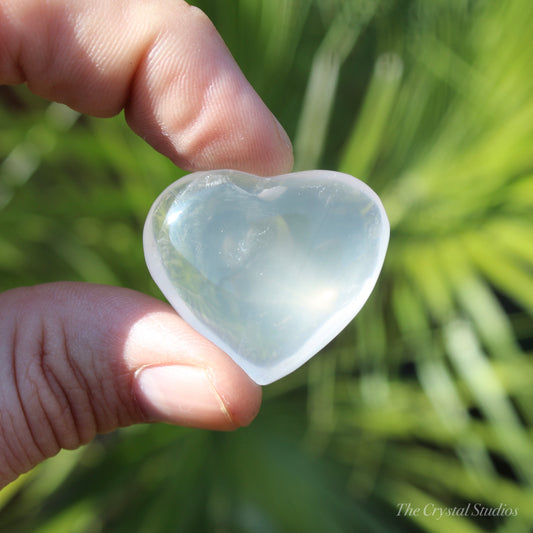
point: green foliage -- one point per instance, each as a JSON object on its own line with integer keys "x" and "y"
{"x": 426, "y": 397}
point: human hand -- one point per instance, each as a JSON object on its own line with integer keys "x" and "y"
{"x": 80, "y": 359}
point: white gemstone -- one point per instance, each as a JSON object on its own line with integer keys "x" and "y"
{"x": 268, "y": 269}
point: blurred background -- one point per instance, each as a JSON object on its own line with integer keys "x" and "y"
{"x": 427, "y": 397}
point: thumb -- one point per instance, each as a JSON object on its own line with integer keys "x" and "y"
{"x": 81, "y": 359}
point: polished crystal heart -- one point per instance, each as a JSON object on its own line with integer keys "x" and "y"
{"x": 269, "y": 269}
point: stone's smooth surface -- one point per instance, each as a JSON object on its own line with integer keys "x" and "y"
{"x": 269, "y": 269}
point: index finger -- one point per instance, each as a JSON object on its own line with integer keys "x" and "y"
{"x": 161, "y": 61}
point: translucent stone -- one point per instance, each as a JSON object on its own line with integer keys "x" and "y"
{"x": 268, "y": 269}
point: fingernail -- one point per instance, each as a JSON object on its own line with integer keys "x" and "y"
{"x": 283, "y": 134}
{"x": 181, "y": 395}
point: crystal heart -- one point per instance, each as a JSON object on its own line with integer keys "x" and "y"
{"x": 269, "y": 269}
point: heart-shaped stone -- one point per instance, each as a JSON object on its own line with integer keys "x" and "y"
{"x": 269, "y": 269}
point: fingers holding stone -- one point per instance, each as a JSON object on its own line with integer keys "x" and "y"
{"x": 163, "y": 61}
{"x": 82, "y": 359}
{"x": 209, "y": 114}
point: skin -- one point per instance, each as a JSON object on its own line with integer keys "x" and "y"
{"x": 80, "y": 359}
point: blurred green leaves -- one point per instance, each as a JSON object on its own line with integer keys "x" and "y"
{"x": 427, "y": 396}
